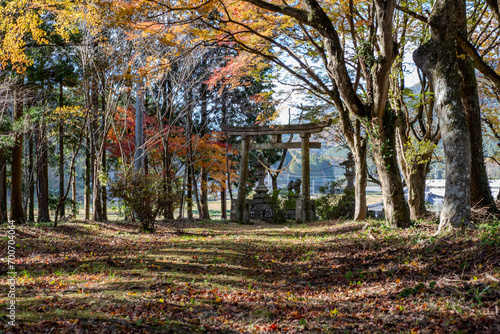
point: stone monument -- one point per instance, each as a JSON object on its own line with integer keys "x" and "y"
{"x": 349, "y": 170}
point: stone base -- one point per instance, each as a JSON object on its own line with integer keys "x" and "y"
{"x": 262, "y": 208}
{"x": 232, "y": 215}
{"x": 301, "y": 215}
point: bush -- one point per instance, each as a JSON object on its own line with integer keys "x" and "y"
{"x": 143, "y": 194}
{"x": 335, "y": 203}
{"x": 284, "y": 199}
{"x": 54, "y": 202}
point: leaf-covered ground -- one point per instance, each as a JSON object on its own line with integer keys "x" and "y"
{"x": 224, "y": 278}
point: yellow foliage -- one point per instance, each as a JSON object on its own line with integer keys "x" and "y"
{"x": 68, "y": 113}
{"x": 21, "y": 21}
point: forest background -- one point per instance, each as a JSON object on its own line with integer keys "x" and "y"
{"x": 92, "y": 90}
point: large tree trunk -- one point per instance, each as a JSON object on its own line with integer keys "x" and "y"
{"x": 42, "y": 173}
{"x": 437, "y": 59}
{"x": 3, "y": 189}
{"x": 480, "y": 192}
{"x": 16, "y": 190}
{"x": 396, "y": 209}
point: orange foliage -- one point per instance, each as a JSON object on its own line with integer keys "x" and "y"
{"x": 208, "y": 151}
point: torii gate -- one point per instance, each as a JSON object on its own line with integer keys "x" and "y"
{"x": 304, "y": 130}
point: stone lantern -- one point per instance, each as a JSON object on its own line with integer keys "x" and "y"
{"x": 349, "y": 170}
{"x": 261, "y": 189}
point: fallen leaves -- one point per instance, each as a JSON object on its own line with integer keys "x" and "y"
{"x": 222, "y": 278}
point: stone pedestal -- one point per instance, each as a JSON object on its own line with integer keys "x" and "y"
{"x": 234, "y": 212}
{"x": 262, "y": 208}
{"x": 302, "y": 214}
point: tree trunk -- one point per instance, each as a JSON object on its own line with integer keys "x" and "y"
{"x": 205, "y": 214}
{"x": 139, "y": 128}
{"x": 396, "y": 209}
{"x": 189, "y": 194}
{"x": 31, "y": 167}
{"x": 88, "y": 167}
{"x": 26, "y": 176}
{"x": 274, "y": 181}
{"x": 73, "y": 192}
{"x": 167, "y": 163}
{"x": 61, "y": 167}
{"x": 414, "y": 173}
{"x": 96, "y": 184}
{"x": 274, "y": 177}
{"x": 16, "y": 190}
{"x": 361, "y": 174}
{"x": 104, "y": 193}
{"x": 42, "y": 173}
{"x": 228, "y": 173}
{"x": 223, "y": 203}
{"x": 416, "y": 190}
{"x": 480, "y": 192}
{"x": 437, "y": 59}
{"x": 183, "y": 194}
{"x": 104, "y": 167}
{"x": 61, "y": 151}
{"x": 196, "y": 196}
{"x": 189, "y": 157}
{"x": 3, "y": 189}
{"x": 95, "y": 158}
{"x": 96, "y": 194}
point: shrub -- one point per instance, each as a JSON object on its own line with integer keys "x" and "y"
{"x": 284, "y": 199}
{"x": 334, "y": 202}
{"x": 143, "y": 194}
{"x": 54, "y": 202}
